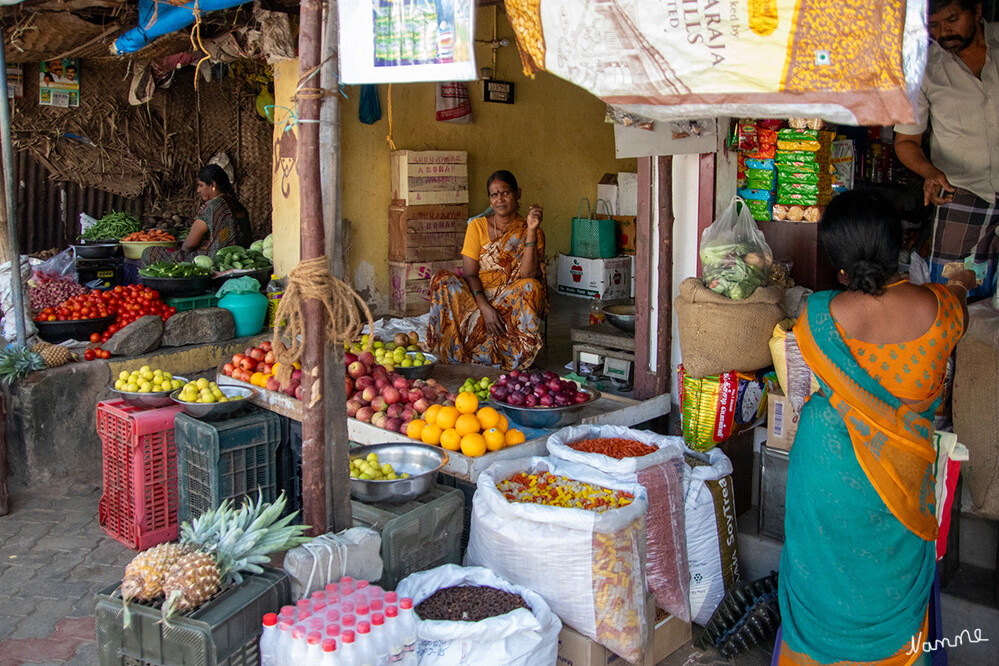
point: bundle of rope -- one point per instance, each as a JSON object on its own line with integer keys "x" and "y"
{"x": 311, "y": 279}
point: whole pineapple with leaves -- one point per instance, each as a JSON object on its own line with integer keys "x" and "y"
{"x": 226, "y": 543}
{"x": 17, "y": 362}
{"x": 54, "y": 355}
{"x": 145, "y": 573}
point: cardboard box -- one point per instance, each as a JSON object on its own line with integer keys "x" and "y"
{"x": 426, "y": 233}
{"x": 430, "y": 176}
{"x": 667, "y": 634}
{"x": 627, "y": 230}
{"x": 409, "y": 285}
{"x": 606, "y": 278}
{"x": 607, "y": 190}
{"x": 782, "y": 421}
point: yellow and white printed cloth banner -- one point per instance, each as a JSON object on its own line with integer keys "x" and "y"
{"x": 848, "y": 61}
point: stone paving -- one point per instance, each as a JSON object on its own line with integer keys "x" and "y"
{"x": 54, "y": 558}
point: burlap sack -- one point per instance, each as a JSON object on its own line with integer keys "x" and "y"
{"x": 976, "y": 410}
{"x": 718, "y": 334}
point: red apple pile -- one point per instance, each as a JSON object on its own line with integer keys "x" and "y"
{"x": 257, "y": 366}
{"x": 386, "y": 399}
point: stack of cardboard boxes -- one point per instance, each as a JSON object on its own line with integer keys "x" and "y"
{"x": 427, "y": 220}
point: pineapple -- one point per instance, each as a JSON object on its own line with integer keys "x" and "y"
{"x": 227, "y": 543}
{"x": 17, "y": 362}
{"x": 54, "y": 355}
{"x": 144, "y": 574}
{"x": 190, "y": 582}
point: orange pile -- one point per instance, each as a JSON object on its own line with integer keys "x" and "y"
{"x": 464, "y": 427}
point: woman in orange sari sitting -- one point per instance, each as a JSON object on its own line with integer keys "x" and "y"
{"x": 859, "y": 560}
{"x": 492, "y": 316}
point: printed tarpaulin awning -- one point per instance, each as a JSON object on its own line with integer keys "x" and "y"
{"x": 848, "y": 61}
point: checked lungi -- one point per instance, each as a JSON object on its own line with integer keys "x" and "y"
{"x": 967, "y": 225}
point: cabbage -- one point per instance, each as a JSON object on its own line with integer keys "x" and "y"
{"x": 257, "y": 245}
{"x": 203, "y": 261}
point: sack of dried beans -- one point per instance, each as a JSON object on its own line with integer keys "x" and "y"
{"x": 469, "y": 615}
{"x": 572, "y": 534}
{"x": 655, "y": 462}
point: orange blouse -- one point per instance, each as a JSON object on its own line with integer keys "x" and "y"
{"x": 909, "y": 370}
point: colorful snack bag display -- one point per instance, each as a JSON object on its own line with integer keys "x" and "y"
{"x": 719, "y": 407}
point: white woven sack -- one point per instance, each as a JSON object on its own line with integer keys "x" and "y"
{"x": 519, "y": 638}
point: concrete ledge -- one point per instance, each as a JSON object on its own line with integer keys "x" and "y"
{"x": 52, "y": 414}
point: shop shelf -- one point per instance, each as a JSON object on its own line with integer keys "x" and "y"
{"x": 138, "y": 506}
{"x": 223, "y": 632}
{"x": 183, "y": 303}
{"x": 417, "y": 535}
{"x": 228, "y": 459}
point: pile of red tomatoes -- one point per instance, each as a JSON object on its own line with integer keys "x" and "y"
{"x": 127, "y": 303}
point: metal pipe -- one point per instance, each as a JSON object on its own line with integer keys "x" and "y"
{"x": 307, "y": 102}
{"x": 8, "y": 180}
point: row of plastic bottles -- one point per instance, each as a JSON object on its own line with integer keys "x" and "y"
{"x": 349, "y": 623}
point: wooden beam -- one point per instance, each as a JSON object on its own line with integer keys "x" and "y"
{"x": 644, "y": 378}
{"x": 665, "y": 219}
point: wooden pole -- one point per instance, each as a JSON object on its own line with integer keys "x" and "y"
{"x": 338, "y": 487}
{"x": 308, "y": 101}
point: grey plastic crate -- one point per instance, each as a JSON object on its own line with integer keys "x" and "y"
{"x": 228, "y": 459}
{"x": 223, "y": 632}
{"x": 417, "y": 535}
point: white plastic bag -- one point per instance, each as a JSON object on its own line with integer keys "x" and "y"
{"x": 735, "y": 257}
{"x": 7, "y": 303}
{"x": 712, "y": 531}
{"x": 661, "y": 474}
{"x": 588, "y": 566}
{"x": 519, "y": 638}
{"x": 354, "y": 552}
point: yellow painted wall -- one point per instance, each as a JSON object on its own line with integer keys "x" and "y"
{"x": 284, "y": 191}
{"x": 554, "y": 139}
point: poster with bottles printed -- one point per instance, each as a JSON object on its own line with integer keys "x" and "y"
{"x": 400, "y": 41}
{"x": 59, "y": 83}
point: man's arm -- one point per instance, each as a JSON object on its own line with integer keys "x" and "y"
{"x": 909, "y": 148}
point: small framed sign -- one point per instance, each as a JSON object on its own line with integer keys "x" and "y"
{"x": 498, "y": 91}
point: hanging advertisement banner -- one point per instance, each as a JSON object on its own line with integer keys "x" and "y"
{"x": 59, "y": 83}
{"x": 402, "y": 41}
{"x": 849, "y": 61}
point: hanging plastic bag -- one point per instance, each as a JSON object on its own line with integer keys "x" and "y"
{"x": 522, "y": 637}
{"x": 735, "y": 257}
{"x": 661, "y": 474}
{"x": 370, "y": 111}
{"x": 7, "y": 303}
{"x": 588, "y": 566}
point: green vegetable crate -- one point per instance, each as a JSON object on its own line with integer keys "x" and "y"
{"x": 185, "y": 303}
{"x": 223, "y": 632}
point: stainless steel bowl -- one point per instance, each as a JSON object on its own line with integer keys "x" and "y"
{"x": 96, "y": 250}
{"x": 420, "y": 371}
{"x": 621, "y": 316}
{"x": 420, "y": 461}
{"x": 148, "y": 400}
{"x": 547, "y": 417}
{"x": 217, "y": 410}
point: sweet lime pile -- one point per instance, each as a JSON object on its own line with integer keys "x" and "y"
{"x": 146, "y": 380}
{"x": 203, "y": 390}
{"x": 369, "y": 469}
{"x": 480, "y": 387}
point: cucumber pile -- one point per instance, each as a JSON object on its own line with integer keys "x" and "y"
{"x": 234, "y": 256}
{"x": 169, "y": 269}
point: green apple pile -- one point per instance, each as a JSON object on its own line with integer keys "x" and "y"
{"x": 480, "y": 387}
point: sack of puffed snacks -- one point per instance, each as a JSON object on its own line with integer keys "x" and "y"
{"x": 719, "y": 407}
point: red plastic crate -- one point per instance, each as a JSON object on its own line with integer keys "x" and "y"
{"x": 139, "y": 504}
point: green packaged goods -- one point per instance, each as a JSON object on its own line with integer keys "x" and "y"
{"x": 792, "y": 156}
{"x": 790, "y": 134}
{"x": 809, "y": 177}
{"x": 799, "y": 199}
{"x": 716, "y": 408}
{"x": 801, "y": 167}
{"x": 764, "y": 178}
{"x": 762, "y": 211}
{"x": 815, "y": 189}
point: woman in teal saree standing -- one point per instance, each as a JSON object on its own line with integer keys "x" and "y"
{"x": 859, "y": 558}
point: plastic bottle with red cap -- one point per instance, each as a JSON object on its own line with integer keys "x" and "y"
{"x": 268, "y": 639}
{"x": 282, "y": 647}
{"x": 299, "y": 648}
{"x": 379, "y": 638}
{"x": 348, "y": 650}
{"x": 407, "y": 630}
{"x": 393, "y": 637}
{"x": 329, "y": 653}
{"x": 314, "y": 651}
{"x": 365, "y": 648}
